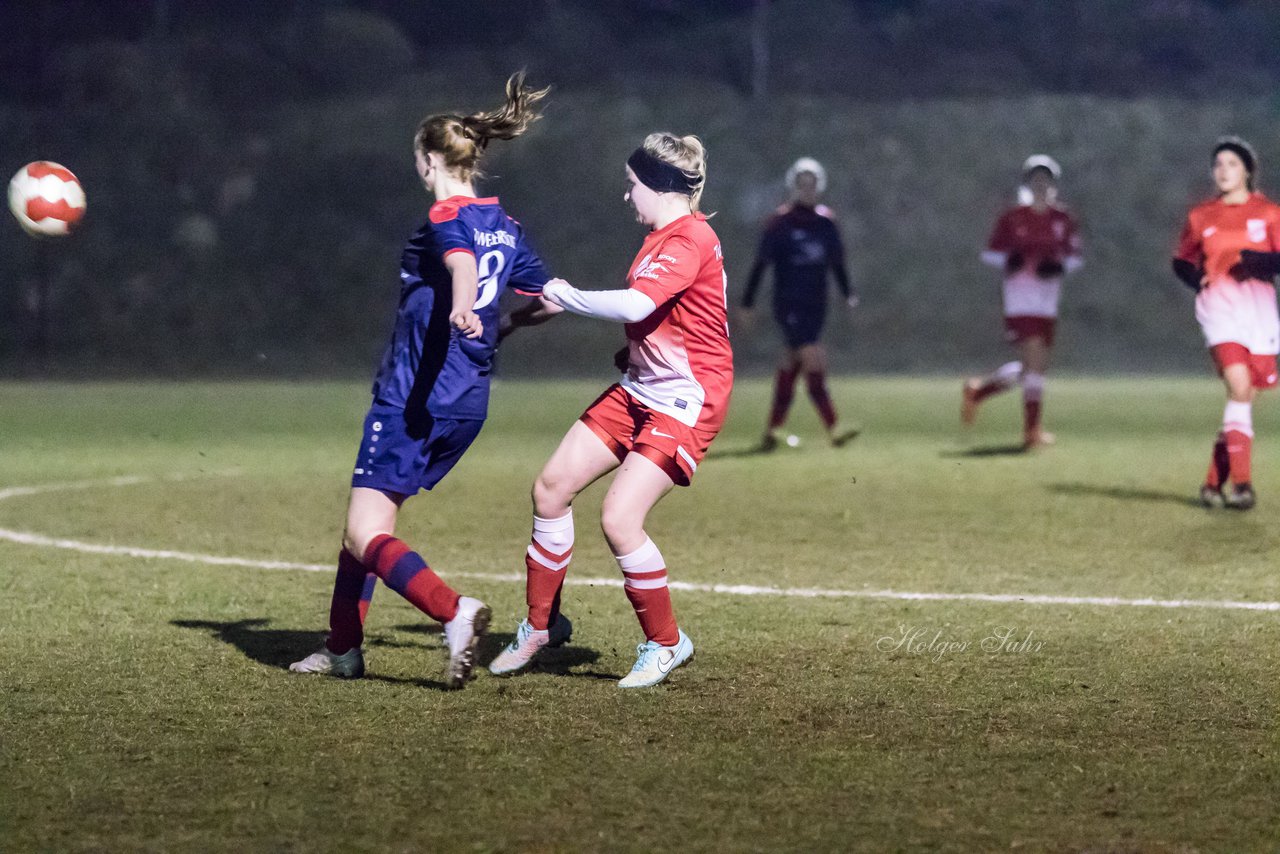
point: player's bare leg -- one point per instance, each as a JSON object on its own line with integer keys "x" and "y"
{"x": 369, "y": 535}
{"x": 977, "y": 389}
{"x": 638, "y": 486}
{"x": 369, "y": 514}
{"x": 581, "y": 459}
{"x": 1034, "y": 351}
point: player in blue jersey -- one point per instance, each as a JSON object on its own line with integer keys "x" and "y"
{"x": 802, "y": 244}
{"x": 431, "y": 393}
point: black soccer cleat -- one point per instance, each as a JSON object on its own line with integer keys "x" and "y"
{"x": 1211, "y": 497}
{"x": 1241, "y": 497}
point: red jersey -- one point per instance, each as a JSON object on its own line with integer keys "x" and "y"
{"x": 681, "y": 363}
{"x": 1037, "y": 236}
{"x": 1216, "y": 232}
{"x": 1047, "y": 235}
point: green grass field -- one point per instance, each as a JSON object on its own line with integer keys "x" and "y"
{"x": 146, "y": 704}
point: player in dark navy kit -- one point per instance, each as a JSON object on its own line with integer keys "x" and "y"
{"x": 431, "y": 393}
{"x": 802, "y": 244}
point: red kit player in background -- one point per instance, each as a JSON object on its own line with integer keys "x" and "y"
{"x": 1036, "y": 244}
{"x": 654, "y": 426}
{"x": 1228, "y": 255}
{"x": 802, "y": 244}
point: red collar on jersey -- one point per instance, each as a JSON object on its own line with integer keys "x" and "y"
{"x": 447, "y": 209}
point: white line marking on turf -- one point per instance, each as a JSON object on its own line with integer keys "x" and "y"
{"x": 28, "y": 538}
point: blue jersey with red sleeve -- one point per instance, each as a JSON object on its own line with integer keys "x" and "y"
{"x": 428, "y": 364}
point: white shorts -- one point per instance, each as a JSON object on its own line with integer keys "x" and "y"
{"x": 1026, "y": 295}
{"x": 1242, "y": 313}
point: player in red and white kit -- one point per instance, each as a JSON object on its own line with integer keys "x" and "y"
{"x": 654, "y": 426}
{"x": 1036, "y": 243}
{"x": 1227, "y": 254}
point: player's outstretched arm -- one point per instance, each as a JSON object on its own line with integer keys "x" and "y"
{"x": 625, "y": 306}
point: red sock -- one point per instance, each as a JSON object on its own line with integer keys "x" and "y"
{"x": 543, "y": 583}
{"x": 1219, "y": 464}
{"x": 784, "y": 388}
{"x": 656, "y": 616}
{"x": 404, "y": 571}
{"x": 645, "y": 581}
{"x": 817, "y": 382}
{"x": 352, "y": 592}
{"x": 546, "y": 560}
{"x": 990, "y": 387}
{"x": 1030, "y": 414}
{"x": 1239, "y": 456}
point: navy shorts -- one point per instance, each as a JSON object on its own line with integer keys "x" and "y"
{"x": 801, "y": 324}
{"x": 405, "y": 455}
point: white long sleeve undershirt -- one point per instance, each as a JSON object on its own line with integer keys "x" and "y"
{"x": 625, "y": 306}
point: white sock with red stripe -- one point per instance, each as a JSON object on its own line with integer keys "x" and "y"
{"x": 550, "y": 550}
{"x": 644, "y": 575}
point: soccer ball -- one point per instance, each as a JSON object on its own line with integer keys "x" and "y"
{"x": 46, "y": 199}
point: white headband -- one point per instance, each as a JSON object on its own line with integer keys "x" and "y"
{"x": 807, "y": 164}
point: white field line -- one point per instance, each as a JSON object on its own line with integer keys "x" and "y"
{"x": 28, "y": 538}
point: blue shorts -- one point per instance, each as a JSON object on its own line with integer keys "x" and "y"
{"x": 405, "y": 455}
{"x": 801, "y": 324}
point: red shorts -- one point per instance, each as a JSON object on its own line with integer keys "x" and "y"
{"x": 1262, "y": 368}
{"x": 625, "y": 424}
{"x": 1019, "y": 328}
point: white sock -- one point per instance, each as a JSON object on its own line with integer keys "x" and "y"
{"x": 554, "y": 535}
{"x": 1032, "y": 386}
{"x": 1238, "y": 416}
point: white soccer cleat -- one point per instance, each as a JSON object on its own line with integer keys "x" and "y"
{"x": 654, "y": 662}
{"x": 527, "y": 643}
{"x": 461, "y": 635}
{"x": 349, "y": 665}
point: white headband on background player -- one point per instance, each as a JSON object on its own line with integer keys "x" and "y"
{"x": 1038, "y": 161}
{"x": 807, "y": 164}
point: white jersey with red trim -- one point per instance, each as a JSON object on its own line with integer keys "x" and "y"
{"x": 680, "y": 360}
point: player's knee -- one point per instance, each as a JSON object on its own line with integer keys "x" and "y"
{"x": 549, "y": 493}
{"x": 623, "y": 528}
{"x": 356, "y": 538}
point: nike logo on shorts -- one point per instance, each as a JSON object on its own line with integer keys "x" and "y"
{"x": 655, "y": 431}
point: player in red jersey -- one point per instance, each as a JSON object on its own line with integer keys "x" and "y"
{"x": 1227, "y": 254}
{"x": 1036, "y": 244}
{"x": 654, "y": 426}
{"x": 802, "y": 244}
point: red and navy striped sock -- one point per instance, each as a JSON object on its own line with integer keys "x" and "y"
{"x": 352, "y": 593}
{"x": 404, "y": 571}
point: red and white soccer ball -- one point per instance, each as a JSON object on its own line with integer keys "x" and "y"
{"x": 46, "y": 198}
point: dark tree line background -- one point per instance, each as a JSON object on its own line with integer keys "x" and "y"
{"x": 249, "y": 175}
